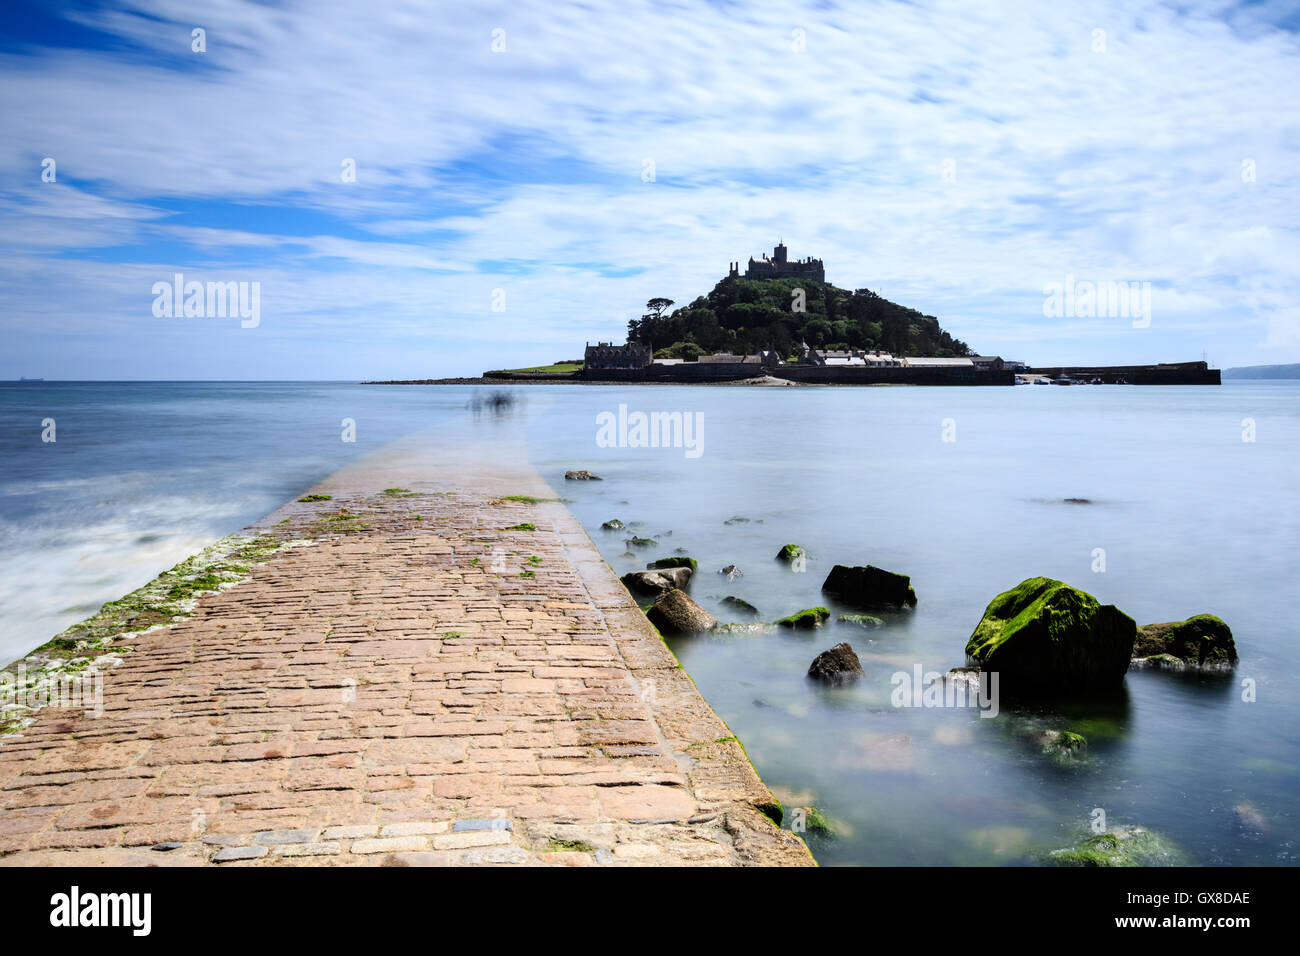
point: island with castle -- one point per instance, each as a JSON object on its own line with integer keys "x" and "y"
{"x": 781, "y": 322}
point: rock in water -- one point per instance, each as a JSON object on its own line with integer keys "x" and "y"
{"x": 839, "y": 665}
{"x": 1120, "y": 846}
{"x": 869, "y": 587}
{"x": 790, "y": 553}
{"x": 1202, "y": 642}
{"x": 1046, "y": 638}
{"x": 613, "y": 524}
{"x": 676, "y": 562}
{"x": 581, "y": 476}
{"x": 1061, "y": 745}
{"x": 676, "y": 613}
{"x": 731, "y": 572}
{"x": 805, "y": 619}
{"x": 740, "y": 605}
{"x": 656, "y": 582}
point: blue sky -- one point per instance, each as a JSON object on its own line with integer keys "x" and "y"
{"x": 954, "y": 157}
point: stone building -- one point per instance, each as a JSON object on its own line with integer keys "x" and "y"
{"x": 780, "y": 267}
{"x": 608, "y": 355}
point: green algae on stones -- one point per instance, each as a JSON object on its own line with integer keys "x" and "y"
{"x": 1202, "y": 642}
{"x": 771, "y": 809}
{"x": 815, "y": 821}
{"x": 1062, "y": 746}
{"x": 790, "y": 553}
{"x": 570, "y": 846}
{"x": 522, "y": 526}
{"x": 310, "y": 498}
{"x": 1045, "y": 637}
{"x": 97, "y": 641}
{"x": 1119, "y": 846}
{"x": 805, "y": 619}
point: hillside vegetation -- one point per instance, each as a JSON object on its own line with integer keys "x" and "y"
{"x": 748, "y": 315}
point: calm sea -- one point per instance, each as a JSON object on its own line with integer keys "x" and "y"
{"x": 963, "y": 489}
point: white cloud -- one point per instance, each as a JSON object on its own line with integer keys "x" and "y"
{"x": 1121, "y": 164}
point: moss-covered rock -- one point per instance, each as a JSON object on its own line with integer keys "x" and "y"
{"x": 817, "y": 822}
{"x": 1120, "y": 846}
{"x": 1202, "y": 642}
{"x": 674, "y": 562}
{"x": 805, "y": 619}
{"x": 789, "y": 554}
{"x": 869, "y": 587}
{"x": 1062, "y": 746}
{"x": 639, "y": 542}
{"x": 1046, "y": 638}
{"x": 613, "y": 524}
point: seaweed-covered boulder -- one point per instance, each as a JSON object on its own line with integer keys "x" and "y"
{"x": 1119, "y": 846}
{"x": 656, "y": 582}
{"x": 1061, "y": 746}
{"x": 1045, "y": 637}
{"x": 640, "y": 542}
{"x": 581, "y": 476}
{"x": 839, "y": 665}
{"x": 613, "y": 524}
{"x": 869, "y": 587}
{"x": 790, "y": 554}
{"x": 676, "y": 613}
{"x": 674, "y": 562}
{"x": 739, "y": 606}
{"x": 1202, "y": 642}
{"x": 805, "y": 619}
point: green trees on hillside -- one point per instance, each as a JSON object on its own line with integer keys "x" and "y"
{"x": 747, "y": 315}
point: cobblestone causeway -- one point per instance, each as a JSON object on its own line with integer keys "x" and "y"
{"x": 420, "y": 680}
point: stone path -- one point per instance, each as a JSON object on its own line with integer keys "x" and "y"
{"x": 427, "y": 681}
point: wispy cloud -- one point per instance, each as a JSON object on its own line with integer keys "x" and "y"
{"x": 951, "y": 158}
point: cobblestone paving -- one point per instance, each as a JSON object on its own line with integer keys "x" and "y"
{"x": 424, "y": 681}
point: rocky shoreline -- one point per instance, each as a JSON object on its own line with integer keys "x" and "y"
{"x": 1042, "y": 642}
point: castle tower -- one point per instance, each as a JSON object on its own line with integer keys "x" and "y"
{"x": 778, "y": 254}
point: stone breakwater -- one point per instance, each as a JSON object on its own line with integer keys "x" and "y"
{"x": 431, "y": 676}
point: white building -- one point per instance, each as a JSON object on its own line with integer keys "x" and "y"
{"x": 922, "y": 362}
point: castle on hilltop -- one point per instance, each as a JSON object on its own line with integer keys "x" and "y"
{"x": 779, "y": 267}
